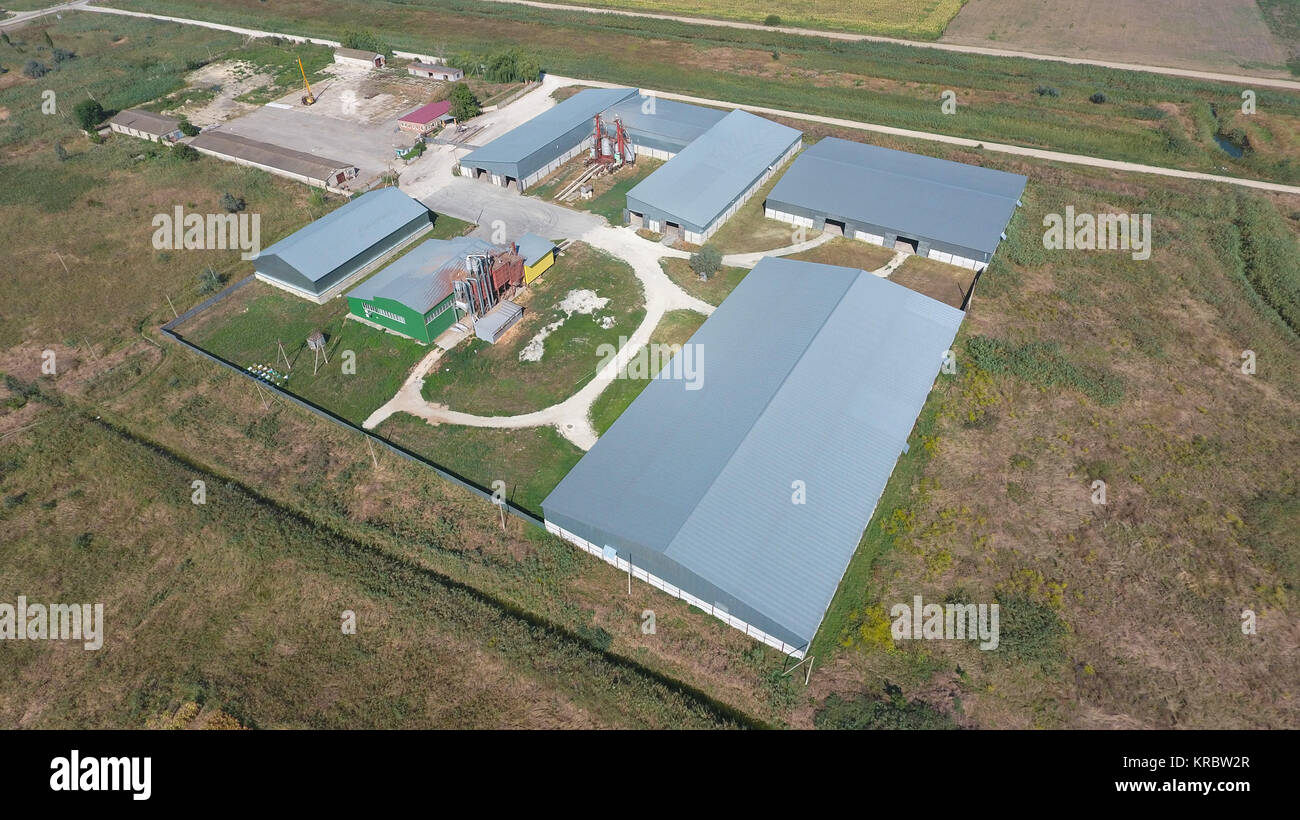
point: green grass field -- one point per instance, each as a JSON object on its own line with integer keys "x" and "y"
{"x": 530, "y": 461}
{"x": 477, "y": 377}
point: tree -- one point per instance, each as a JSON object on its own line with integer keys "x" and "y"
{"x": 231, "y": 203}
{"x": 464, "y": 105}
{"x": 35, "y": 69}
{"x": 88, "y": 114}
{"x": 705, "y": 262}
{"x": 183, "y": 151}
{"x": 188, "y": 128}
{"x": 1097, "y": 98}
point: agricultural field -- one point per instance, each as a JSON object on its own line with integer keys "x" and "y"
{"x": 1146, "y": 118}
{"x": 911, "y": 19}
{"x": 1232, "y": 36}
{"x": 587, "y": 299}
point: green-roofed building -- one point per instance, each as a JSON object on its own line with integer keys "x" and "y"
{"x": 415, "y": 295}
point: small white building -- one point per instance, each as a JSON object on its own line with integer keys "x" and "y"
{"x": 146, "y": 125}
{"x": 355, "y": 56}
{"x": 435, "y": 71}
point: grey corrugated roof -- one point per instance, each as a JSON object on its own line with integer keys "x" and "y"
{"x": 421, "y": 278}
{"x": 502, "y": 315}
{"x": 917, "y": 196}
{"x": 706, "y": 176}
{"x": 533, "y": 247}
{"x": 146, "y": 121}
{"x": 272, "y": 156}
{"x": 548, "y": 126}
{"x": 811, "y": 373}
{"x": 670, "y": 126}
{"x": 322, "y": 246}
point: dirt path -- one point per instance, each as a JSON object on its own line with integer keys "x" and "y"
{"x": 749, "y": 260}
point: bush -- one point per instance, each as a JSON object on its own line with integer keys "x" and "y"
{"x": 60, "y": 152}
{"x": 62, "y": 55}
{"x": 365, "y": 41}
{"x": 185, "y": 152}
{"x": 231, "y": 203}
{"x": 88, "y": 114}
{"x": 705, "y": 262}
{"x": 772, "y": 20}
{"x": 210, "y": 281}
{"x": 1097, "y": 98}
{"x": 188, "y": 128}
{"x": 1047, "y": 91}
{"x": 35, "y": 69}
{"x": 895, "y": 712}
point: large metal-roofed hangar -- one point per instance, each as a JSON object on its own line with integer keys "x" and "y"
{"x": 534, "y": 149}
{"x": 812, "y": 376}
{"x": 319, "y": 260}
{"x": 694, "y": 194}
{"x": 940, "y": 209}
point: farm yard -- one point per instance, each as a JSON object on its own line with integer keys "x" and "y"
{"x": 1072, "y": 367}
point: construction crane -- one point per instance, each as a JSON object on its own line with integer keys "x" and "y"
{"x": 308, "y": 98}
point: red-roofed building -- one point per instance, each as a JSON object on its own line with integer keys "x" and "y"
{"x": 425, "y": 118}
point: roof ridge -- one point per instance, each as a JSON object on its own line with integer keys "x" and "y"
{"x": 812, "y": 337}
{"x": 930, "y": 180}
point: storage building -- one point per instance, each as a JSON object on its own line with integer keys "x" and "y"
{"x": 426, "y": 118}
{"x": 354, "y": 56}
{"x": 698, "y": 190}
{"x": 538, "y": 254}
{"x": 320, "y": 260}
{"x": 492, "y": 326}
{"x": 659, "y": 128}
{"x": 943, "y": 210}
{"x": 534, "y": 149}
{"x": 415, "y": 295}
{"x": 748, "y": 497}
{"x": 146, "y": 125}
{"x": 322, "y": 172}
{"x": 435, "y": 71}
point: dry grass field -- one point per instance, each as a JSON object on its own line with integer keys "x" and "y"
{"x": 1211, "y": 35}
